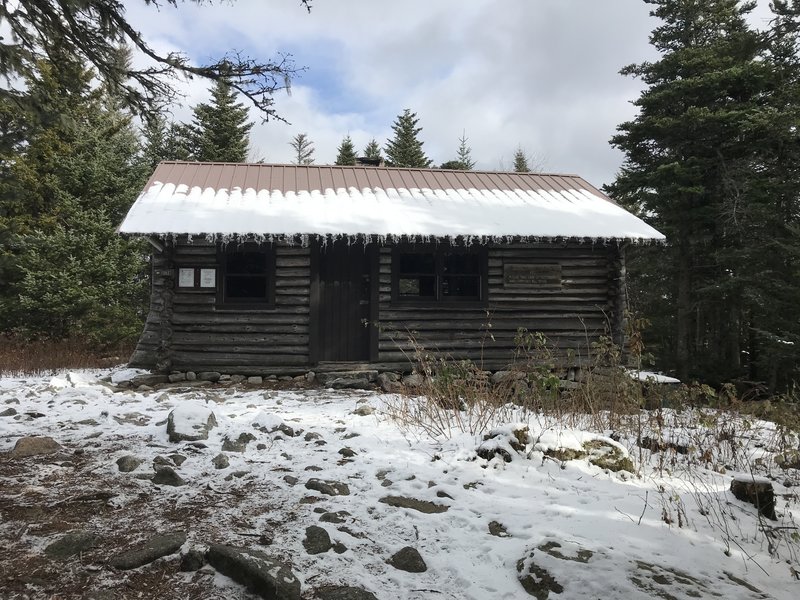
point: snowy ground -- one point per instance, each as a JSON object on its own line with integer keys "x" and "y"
{"x": 598, "y": 534}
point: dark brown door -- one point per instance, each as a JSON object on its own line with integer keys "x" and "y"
{"x": 345, "y": 292}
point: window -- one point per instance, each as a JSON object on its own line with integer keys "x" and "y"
{"x": 441, "y": 274}
{"x": 248, "y": 277}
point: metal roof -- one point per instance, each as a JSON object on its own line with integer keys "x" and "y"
{"x": 262, "y": 199}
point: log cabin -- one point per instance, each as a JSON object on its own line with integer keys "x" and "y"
{"x": 262, "y": 269}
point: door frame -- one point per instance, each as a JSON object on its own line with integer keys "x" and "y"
{"x": 315, "y": 305}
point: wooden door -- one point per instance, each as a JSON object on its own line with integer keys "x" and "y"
{"x": 345, "y": 290}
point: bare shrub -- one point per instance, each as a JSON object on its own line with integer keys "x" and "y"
{"x": 20, "y": 357}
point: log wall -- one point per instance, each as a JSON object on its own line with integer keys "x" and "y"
{"x": 184, "y": 331}
{"x": 572, "y": 316}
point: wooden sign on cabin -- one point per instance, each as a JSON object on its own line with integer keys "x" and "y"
{"x": 526, "y": 275}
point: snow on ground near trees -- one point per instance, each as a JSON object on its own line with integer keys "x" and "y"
{"x": 598, "y": 534}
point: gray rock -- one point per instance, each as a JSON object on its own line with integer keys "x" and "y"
{"x": 239, "y": 444}
{"x": 414, "y": 380}
{"x": 334, "y": 517}
{"x": 343, "y": 592}
{"x": 267, "y": 577}
{"x": 506, "y": 376}
{"x": 221, "y": 461}
{"x": 536, "y": 580}
{"x": 565, "y": 384}
{"x": 408, "y": 559}
{"x": 212, "y": 376}
{"x": 193, "y": 560}
{"x": 70, "y": 544}
{"x": 310, "y": 377}
{"x": 757, "y": 492}
{"x": 497, "y": 529}
{"x": 329, "y": 488}
{"x": 389, "y": 382}
{"x": 347, "y": 452}
{"x": 364, "y": 410}
{"x": 148, "y": 380}
{"x": 177, "y": 459}
{"x": 191, "y": 376}
{"x": 290, "y": 479}
{"x": 176, "y": 377}
{"x": 311, "y": 436}
{"x": 423, "y": 506}
{"x": 350, "y": 383}
{"x": 160, "y": 461}
{"x": 238, "y": 378}
{"x": 152, "y": 549}
{"x": 255, "y": 380}
{"x": 128, "y": 463}
{"x": 9, "y": 412}
{"x": 317, "y": 540}
{"x": 200, "y": 424}
{"x": 224, "y": 377}
{"x": 168, "y": 476}
{"x": 367, "y": 376}
{"x": 35, "y": 446}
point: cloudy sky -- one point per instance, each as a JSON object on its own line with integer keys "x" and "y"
{"x": 540, "y": 74}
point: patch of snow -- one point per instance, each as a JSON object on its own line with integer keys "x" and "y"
{"x": 652, "y": 377}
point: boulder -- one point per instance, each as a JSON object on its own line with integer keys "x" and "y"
{"x": 606, "y": 455}
{"x": 9, "y": 412}
{"x": 148, "y": 379}
{"x": 190, "y": 422}
{"x": 337, "y": 517}
{"x": 317, "y": 540}
{"x": 758, "y": 492}
{"x": 347, "y": 452}
{"x": 35, "y": 446}
{"x": 147, "y": 552}
{"x": 128, "y": 463}
{"x": 177, "y": 377}
{"x": 415, "y": 380}
{"x": 497, "y": 529}
{"x": 168, "y": 476}
{"x": 364, "y": 410}
{"x": 193, "y": 560}
{"x": 329, "y": 488}
{"x": 255, "y": 380}
{"x": 221, "y": 461}
{"x": 343, "y": 592}
{"x": 212, "y": 376}
{"x": 239, "y": 444}
{"x": 408, "y": 559}
{"x": 366, "y": 376}
{"x": 269, "y": 578}
{"x": 70, "y": 544}
{"x": 506, "y": 377}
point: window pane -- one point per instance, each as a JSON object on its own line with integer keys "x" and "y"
{"x": 461, "y": 286}
{"x": 253, "y": 288}
{"x": 461, "y": 264}
{"x": 423, "y": 286}
{"x": 251, "y": 263}
{"x": 417, "y": 263}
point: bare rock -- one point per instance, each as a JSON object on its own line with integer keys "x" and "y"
{"x": 497, "y": 529}
{"x": 35, "y": 446}
{"x": 9, "y": 412}
{"x": 756, "y": 491}
{"x": 415, "y": 380}
{"x": 408, "y": 559}
{"x": 329, "y": 488}
{"x": 191, "y": 376}
{"x": 149, "y": 551}
{"x": 70, "y": 544}
{"x": 193, "y": 560}
{"x": 221, "y": 461}
{"x": 347, "y": 452}
{"x": 212, "y": 376}
{"x": 255, "y": 380}
{"x": 168, "y": 476}
{"x": 269, "y": 578}
{"x": 128, "y": 463}
{"x": 364, "y": 410}
{"x": 148, "y": 380}
{"x": 343, "y": 592}
{"x": 423, "y": 506}
{"x": 177, "y": 377}
{"x": 239, "y": 444}
{"x": 317, "y": 540}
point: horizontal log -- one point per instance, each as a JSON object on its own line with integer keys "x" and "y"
{"x": 241, "y": 349}
{"x": 254, "y": 318}
{"x": 220, "y": 360}
{"x": 235, "y": 328}
{"x": 292, "y": 261}
{"x": 217, "y": 339}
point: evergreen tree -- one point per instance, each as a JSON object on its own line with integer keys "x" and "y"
{"x": 373, "y": 150}
{"x": 162, "y": 141}
{"x": 702, "y": 157}
{"x": 521, "y": 161}
{"x": 220, "y": 130}
{"x": 68, "y": 188}
{"x": 405, "y": 149}
{"x": 347, "y": 153}
{"x": 303, "y": 150}
{"x": 463, "y": 161}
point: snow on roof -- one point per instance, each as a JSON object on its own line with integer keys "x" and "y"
{"x": 260, "y": 199}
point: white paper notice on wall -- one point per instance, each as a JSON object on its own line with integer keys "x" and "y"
{"x": 185, "y": 277}
{"x": 208, "y": 278}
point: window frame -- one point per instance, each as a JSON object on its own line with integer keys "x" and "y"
{"x": 196, "y": 287}
{"x": 439, "y": 299}
{"x": 269, "y": 256}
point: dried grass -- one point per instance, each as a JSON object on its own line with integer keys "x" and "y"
{"x": 20, "y": 357}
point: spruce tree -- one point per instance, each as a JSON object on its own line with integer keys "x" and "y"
{"x": 463, "y": 160}
{"x": 521, "y": 161}
{"x": 373, "y": 150}
{"x": 303, "y": 150}
{"x": 696, "y": 158}
{"x": 71, "y": 185}
{"x": 220, "y": 130}
{"x": 405, "y": 149}
{"x": 347, "y": 153}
